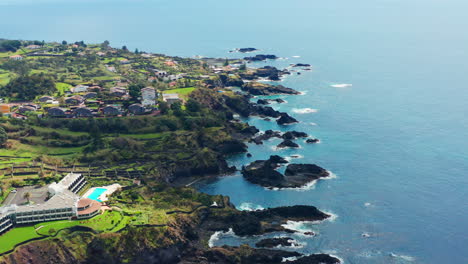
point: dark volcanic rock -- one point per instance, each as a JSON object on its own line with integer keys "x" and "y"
{"x": 232, "y": 147}
{"x": 267, "y": 111}
{"x": 315, "y": 259}
{"x": 249, "y": 155}
{"x": 262, "y": 101}
{"x": 256, "y": 88}
{"x": 312, "y": 140}
{"x": 285, "y": 119}
{"x": 287, "y": 143}
{"x": 275, "y": 242}
{"x": 301, "y": 65}
{"x": 261, "y": 57}
{"x": 244, "y": 50}
{"x": 265, "y": 136}
{"x": 277, "y": 159}
{"x": 307, "y": 171}
{"x": 264, "y": 173}
{"x": 294, "y": 135}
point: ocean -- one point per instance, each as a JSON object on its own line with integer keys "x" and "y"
{"x": 396, "y": 137}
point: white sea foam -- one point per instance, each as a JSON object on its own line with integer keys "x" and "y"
{"x": 250, "y": 207}
{"x": 404, "y": 257}
{"x": 289, "y": 259}
{"x": 302, "y": 92}
{"x": 217, "y": 235}
{"x": 296, "y": 56}
{"x": 367, "y": 204}
{"x": 341, "y": 85}
{"x": 304, "y": 110}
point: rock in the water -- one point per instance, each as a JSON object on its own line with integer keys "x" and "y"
{"x": 306, "y": 171}
{"x": 315, "y": 259}
{"x": 277, "y": 159}
{"x": 276, "y": 242}
{"x": 249, "y": 155}
{"x": 285, "y": 119}
{"x": 262, "y": 101}
{"x": 301, "y": 65}
{"x": 244, "y": 50}
{"x": 287, "y": 143}
{"x": 294, "y": 135}
{"x": 312, "y": 140}
{"x": 261, "y": 57}
{"x": 263, "y": 172}
{"x": 257, "y": 88}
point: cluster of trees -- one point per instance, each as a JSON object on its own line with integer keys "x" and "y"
{"x": 9, "y": 45}
{"x": 27, "y": 87}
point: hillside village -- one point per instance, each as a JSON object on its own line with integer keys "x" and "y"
{"x": 100, "y": 81}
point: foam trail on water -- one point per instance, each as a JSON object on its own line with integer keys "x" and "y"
{"x": 341, "y": 85}
{"x": 304, "y": 110}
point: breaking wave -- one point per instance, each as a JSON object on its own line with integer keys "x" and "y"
{"x": 250, "y": 207}
{"x": 217, "y": 235}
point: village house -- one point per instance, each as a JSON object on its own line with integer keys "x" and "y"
{"x": 136, "y": 109}
{"x": 5, "y": 108}
{"x": 148, "y": 95}
{"x": 118, "y": 91}
{"x": 80, "y": 88}
{"x": 46, "y": 99}
{"x": 100, "y": 53}
{"x": 124, "y": 61}
{"x": 56, "y": 112}
{"x": 82, "y": 112}
{"x": 111, "y": 110}
{"x": 74, "y": 100}
{"x": 171, "y": 98}
{"x": 94, "y": 88}
{"x": 90, "y": 95}
{"x": 16, "y": 57}
{"x": 26, "y": 108}
{"x": 111, "y": 68}
{"x": 33, "y": 47}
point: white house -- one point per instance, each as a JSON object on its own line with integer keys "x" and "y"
{"x": 148, "y": 95}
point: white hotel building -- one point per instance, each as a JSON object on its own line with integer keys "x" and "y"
{"x": 63, "y": 204}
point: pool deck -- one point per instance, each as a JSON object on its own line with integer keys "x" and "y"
{"x": 110, "y": 189}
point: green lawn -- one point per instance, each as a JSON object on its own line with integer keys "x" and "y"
{"x": 62, "y": 87}
{"x": 182, "y": 92}
{"x": 106, "y": 222}
{"x": 4, "y": 77}
{"x": 10, "y": 239}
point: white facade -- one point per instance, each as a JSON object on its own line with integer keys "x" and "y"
{"x": 148, "y": 96}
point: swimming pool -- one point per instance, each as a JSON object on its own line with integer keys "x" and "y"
{"x": 96, "y": 193}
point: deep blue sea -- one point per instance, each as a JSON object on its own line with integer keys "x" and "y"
{"x": 397, "y": 139}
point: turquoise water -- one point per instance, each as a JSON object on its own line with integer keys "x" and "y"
{"x": 96, "y": 193}
{"x": 396, "y": 139}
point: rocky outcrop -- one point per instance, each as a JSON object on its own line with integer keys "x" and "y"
{"x": 268, "y": 101}
{"x": 276, "y": 242}
{"x": 312, "y": 140}
{"x": 265, "y": 136}
{"x": 261, "y": 57}
{"x": 264, "y": 173}
{"x": 286, "y": 119}
{"x": 315, "y": 259}
{"x": 256, "y": 88}
{"x": 268, "y": 72}
{"x": 301, "y": 65}
{"x": 305, "y": 171}
{"x": 245, "y": 50}
{"x": 232, "y": 147}
{"x": 294, "y": 134}
{"x": 287, "y": 143}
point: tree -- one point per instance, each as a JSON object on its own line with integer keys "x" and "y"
{"x": 243, "y": 67}
{"x": 3, "y": 136}
{"x": 192, "y": 105}
{"x": 134, "y": 90}
{"x": 27, "y": 87}
{"x": 105, "y": 44}
{"x": 27, "y": 196}
{"x": 124, "y": 48}
{"x": 64, "y": 42}
{"x": 226, "y": 62}
{"x": 137, "y": 51}
{"x": 163, "y": 107}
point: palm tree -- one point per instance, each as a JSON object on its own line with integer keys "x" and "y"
{"x": 27, "y": 196}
